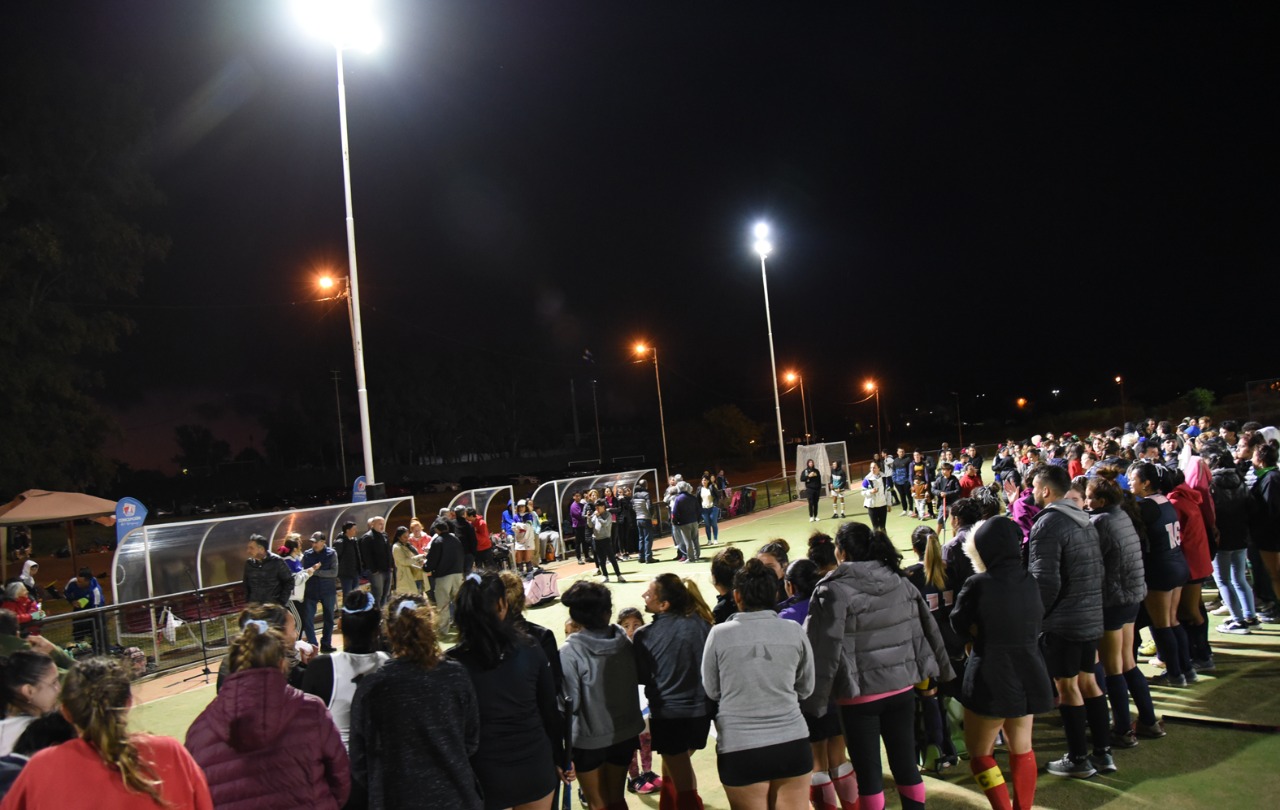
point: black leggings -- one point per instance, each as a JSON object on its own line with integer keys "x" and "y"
{"x": 605, "y": 553}
{"x": 879, "y": 516}
{"x": 904, "y": 495}
{"x": 814, "y": 495}
{"x": 894, "y": 719}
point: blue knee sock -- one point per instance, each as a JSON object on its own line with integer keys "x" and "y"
{"x": 1167, "y": 648}
{"x": 1184, "y": 648}
{"x": 1141, "y": 692}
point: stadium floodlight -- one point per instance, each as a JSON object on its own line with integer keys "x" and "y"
{"x": 763, "y": 249}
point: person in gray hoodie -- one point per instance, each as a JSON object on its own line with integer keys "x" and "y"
{"x": 873, "y": 639}
{"x": 1065, "y": 556}
{"x": 600, "y": 681}
{"x": 642, "y": 505}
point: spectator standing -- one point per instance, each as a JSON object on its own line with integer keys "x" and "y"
{"x": 415, "y": 723}
{"x": 874, "y": 498}
{"x": 321, "y": 589}
{"x": 484, "y": 542}
{"x": 946, "y": 491}
{"x": 684, "y": 521}
{"x": 668, "y": 654}
{"x": 839, "y": 486}
{"x": 578, "y": 522}
{"x": 709, "y": 499}
{"x": 261, "y": 742}
{"x": 1231, "y": 503}
{"x": 267, "y": 578}
{"x": 762, "y": 749}
{"x": 642, "y": 506}
{"x": 811, "y": 483}
{"x": 902, "y": 480}
{"x": 408, "y": 563}
{"x": 444, "y": 566}
{"x": 602, "y": 531}
{"x": 375, "y": 552}
{"x": 350, "y": 563}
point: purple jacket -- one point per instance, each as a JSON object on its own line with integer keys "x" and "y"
{"x": 1024, "y": 511}
{"x": 262, "y": 743}
{"x": 575, "y": 515}
{"x": 797, "y": 610}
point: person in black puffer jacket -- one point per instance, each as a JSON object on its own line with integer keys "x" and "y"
{"x": 1231, "y": 502}
{"x": 1124, "y": 586}
{"x": 1065, "y": 557}
{"x": 1005, "y": 683}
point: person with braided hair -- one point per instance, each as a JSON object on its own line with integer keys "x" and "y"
{"x": 117, "y": 769}
{"x": 263, "y": 743}
{"x": 415, "y": 723}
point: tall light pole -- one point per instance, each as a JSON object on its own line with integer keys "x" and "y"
{"x": 1124, "y": 411}
{"x": 642, "y": 349}
{"x": 792, "y": 377}
{"x": 763, "y": 249}
{"x": 870, "y": 387}
{"x": 346, "y": 25}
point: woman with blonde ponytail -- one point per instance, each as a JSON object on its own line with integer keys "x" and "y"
{"x": 263, "y": 743}
{"x": 118, "y": 770}
{"x": 415, "y": 723}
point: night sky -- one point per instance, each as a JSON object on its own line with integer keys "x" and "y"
{"x": 997, "y": 203}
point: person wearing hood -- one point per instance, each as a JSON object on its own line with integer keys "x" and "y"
{"x": 601, "y": 681}
{"x": 873, "y": 640}
{"x": 263, "y": 743}
{"x": 1198, "y": 549}
{"x": 30, "y": 570}
{"x": 1022, "y": 504}
{"x": 1231, "y": 505}
{"x": 1065, "y": 558}
{"x": 1005, "y": 683}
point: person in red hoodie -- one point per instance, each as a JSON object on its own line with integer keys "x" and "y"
{"x": 263, "y": 743}
{"x": 484, "y": 543}
{"x": 970, "y": 481}
{"x": 18, "y": 599}
{"x": 1187, "y": 502}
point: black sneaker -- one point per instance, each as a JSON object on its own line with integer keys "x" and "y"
{"x": 1076, "y": 769}
{"x": 1205, "y": 665}
{"x": 1190, "y": 677}
{"x": 1152, "y": 732}
{"x": 1165, "y": 679}
{"x": 1103, "y": 763}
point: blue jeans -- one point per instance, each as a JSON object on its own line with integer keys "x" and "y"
{"x": 711, "y": 520}
{"x": 348, "y": 584}
{"x": 1233, "y": 585}
{"x": 644, "y": 539}
{"x": 324, "y": 592}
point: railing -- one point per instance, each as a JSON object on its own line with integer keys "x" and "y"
{"x": 203, "y": 623}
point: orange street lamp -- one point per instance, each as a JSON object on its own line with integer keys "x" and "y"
{"x": 792, "y": 377}
{"x": 1124, "y": 411}
{"x": 1022, "y": 402}
{"x": 871, "y": 388}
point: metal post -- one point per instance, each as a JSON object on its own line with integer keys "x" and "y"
{"x": 662, "y": 419}
{"x": 879, "y": 440}
{"x": 353, "y": 283}
{"x": 773, "y": 363}
{"x": 804, "y": 411}
{"x": 573, "y": 401}
{"x": 342, "y": 446}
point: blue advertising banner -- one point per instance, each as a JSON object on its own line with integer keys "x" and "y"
{"x": 130, "y": 513}
{"x": 358, "y": 494}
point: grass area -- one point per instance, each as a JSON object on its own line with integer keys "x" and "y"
{"x": 1197, "y": 765}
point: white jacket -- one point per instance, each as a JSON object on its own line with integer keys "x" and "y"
{"x": 873, "y": 491}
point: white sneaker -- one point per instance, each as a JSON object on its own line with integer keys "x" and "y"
{"x": 1222, "y": 610}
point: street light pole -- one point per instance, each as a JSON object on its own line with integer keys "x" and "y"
{"x": 874, "y": 388}
{"x": 793, "y": 377}
{"x": 763, "y": 248}
{"x": 1124, "y": 411}
{"x": 662, "y": 419}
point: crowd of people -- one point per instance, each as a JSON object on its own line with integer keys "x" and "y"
{"x": 446, "y": 695}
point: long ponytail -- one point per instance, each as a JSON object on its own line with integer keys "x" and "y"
{"x": 96, "y": 696}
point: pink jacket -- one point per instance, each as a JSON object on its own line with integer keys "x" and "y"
{"x": 263, "y": 743}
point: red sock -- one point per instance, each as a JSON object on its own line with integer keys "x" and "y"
{"x": 1024, "y": 779}
{"x": 987, "y": 774}
{"x": 688, "y": 800}
{"x": 667, "y": 795}
{"x": 846, "y": 785}
{"x": 822, "y": 795}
